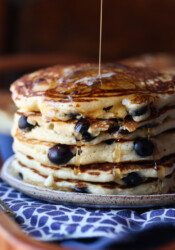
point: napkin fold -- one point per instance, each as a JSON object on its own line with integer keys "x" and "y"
{"x": 50, "y": 222}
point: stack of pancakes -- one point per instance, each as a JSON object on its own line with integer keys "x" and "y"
{"x": 109, "y": 134}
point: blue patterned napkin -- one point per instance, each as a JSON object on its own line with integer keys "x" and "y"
{"x": 5, "y": 146}
{"x": 48, "y": 222}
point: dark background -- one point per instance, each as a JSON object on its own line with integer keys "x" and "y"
{"x": 38, "y": 33}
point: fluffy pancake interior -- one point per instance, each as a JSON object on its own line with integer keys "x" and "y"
{"x": 65, "y": 132}
{"x": 151, "y": 186}
{"x": 122, "y": 151}
{"x": 105, "y": 172}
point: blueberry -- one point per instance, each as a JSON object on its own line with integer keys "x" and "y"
{"x": 73, "y": 116}
{"x": 60, "y": 154}
{"x": 133, "y": 179}
{"x": 139, "y": 112}
{"x": 143, "y": 147}
{"x": 82, "y": 127}
{"x": 120, "y": 120}
{"x": 88, "y": 137}
{"x": 124, "y": 132}
{"x": 107, "y": 108}
{"x": 24, "y": 125}
{"x": 109, "y": 142}
{"x": 114, "y": 127}
{"x": 20, "y": 175}
{"x": 80, "y": 190}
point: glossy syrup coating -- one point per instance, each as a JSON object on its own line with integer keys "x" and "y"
{"x": 80, "y": 91}
{"x": 83, "y": 81}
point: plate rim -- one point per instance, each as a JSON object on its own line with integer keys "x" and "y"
{"x": 82, "y": 199}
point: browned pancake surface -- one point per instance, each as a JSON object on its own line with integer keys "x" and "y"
{"x": 82, "y": 81}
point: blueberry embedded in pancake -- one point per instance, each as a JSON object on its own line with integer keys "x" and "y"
{"x": 80, "y": 189}
{"x": 143, "y": 147}
{"x": 60, "y": 154}
{"x": 20, "y": 175}
{"x": 133, "y": 179}
{"x": 24, "y": 125}
{"x": 109, "y": 142}
{"x": 140, "y": 111}
{"x": 82, "y": 127}
{"x": 114, "y": 127}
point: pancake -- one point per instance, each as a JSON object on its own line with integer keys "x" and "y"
{"x": 123, "y": 174}
{"x": 160, "y": 61}
{"x": 150, "y": 186}
{"x": 140, "y": 149}
{"x": 112, "y": 134}
{"x": 63, "y": 93}
{"x": 92, "y": 132}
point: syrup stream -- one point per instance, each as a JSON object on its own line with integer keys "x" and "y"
{"x": 100, "y": 41}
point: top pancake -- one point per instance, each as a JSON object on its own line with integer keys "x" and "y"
{"x": 63, "y": 93}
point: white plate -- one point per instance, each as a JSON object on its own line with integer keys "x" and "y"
{"x": 81, "y": 199}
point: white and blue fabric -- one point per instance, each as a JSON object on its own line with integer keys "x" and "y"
{"x": 50, "y": 222}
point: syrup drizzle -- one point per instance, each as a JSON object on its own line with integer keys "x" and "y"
{"x": 116, "y": 154}
{"x": 100, "y": 40}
